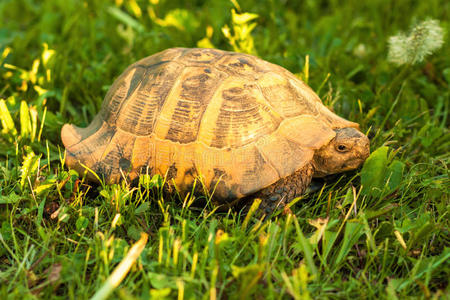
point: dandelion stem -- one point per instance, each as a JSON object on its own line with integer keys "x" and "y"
{"x": 391, "y": 109}
{"x": 400, "y": 75}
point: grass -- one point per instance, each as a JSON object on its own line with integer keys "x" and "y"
{"x": 63, "y": 237}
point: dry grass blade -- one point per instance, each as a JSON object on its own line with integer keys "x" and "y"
{"x": 251, "y": 211}
{"x": 122, "y": 269}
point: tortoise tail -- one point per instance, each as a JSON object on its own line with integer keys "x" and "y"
{"x": 85, "y": 146}
{"x": 70, "y": 135}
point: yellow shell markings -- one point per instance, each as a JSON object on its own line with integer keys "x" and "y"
{"x": 206, "y": 112}
{"x": 200, "y": 56}
{"x": 234, "y": 117}
{"x": 143, "y": 107}
{"x": 117, "y": 156}
{"x": 184, "y": 107}
{"x": 238, "y": 170}
{"x": 314, "y": 103}
{"x": 137, "y": 93}
{"x": 283, "y": 97}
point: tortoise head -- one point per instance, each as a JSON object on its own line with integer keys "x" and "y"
{"x": 345, "y": 152}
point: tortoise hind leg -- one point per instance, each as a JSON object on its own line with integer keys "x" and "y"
{"x": 281, "y": 192}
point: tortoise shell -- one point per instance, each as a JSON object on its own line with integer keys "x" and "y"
{"x": 236, "y": 121}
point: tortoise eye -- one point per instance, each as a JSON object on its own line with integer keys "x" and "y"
{"x": 342, "y": 148}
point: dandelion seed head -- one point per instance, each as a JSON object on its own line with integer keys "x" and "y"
{"x": 422, "y": 40}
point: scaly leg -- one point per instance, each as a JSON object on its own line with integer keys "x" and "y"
{"x": 281, "y": 192}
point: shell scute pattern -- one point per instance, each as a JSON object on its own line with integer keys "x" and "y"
{"x": 289, "y": 156}
{"x": 283, "y": 96}
{"x": 123, "y": 85}
{"x": 169, "y": 100}
{"x": 240, "y": 65}
{"x": 242, "y": 118}
{"x": 187, "y": 103}
{"x": 111, "y": 165}
{"x": 231, "y": 119}
{"x": 141, "y": 108}
{"x": 200, "y": 56}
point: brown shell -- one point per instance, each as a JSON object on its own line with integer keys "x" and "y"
{"x": 237, "y": 122}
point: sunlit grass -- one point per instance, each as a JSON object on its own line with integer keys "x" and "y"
{"x": 381, "y": 232}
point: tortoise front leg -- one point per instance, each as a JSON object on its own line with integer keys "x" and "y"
{"x": 281, "y": 192}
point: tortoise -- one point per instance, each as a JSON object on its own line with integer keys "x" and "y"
{"x": 244, "y": 126}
